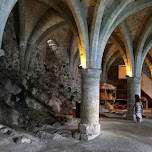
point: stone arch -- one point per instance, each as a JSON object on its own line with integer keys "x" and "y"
{"x": 145, "y": 51}
{"x": 111, "y": 15}
{"x": 42, "y": 39}
{"x": 76, "y": 61}
{"x": 106, "y": 26}
{"x": 22, "y": 32}
{"x": 149, "y": 65}
{"x": 5, "y": 9}
{"x": 122, "y": 52}
{"x": 140, "y": 52}
{"x": 110, "y": 62}
{"x": 73, "y": 51}
{"x": 64, "y": 11}
{"x": 34, "y": 34}
{"x": 105, "y": 60}
{"x": 95, "y": 29}
{"x": 129, "y": 48}
{"x": 128, "y": 10}
{"x": 120, "y": 45}
{"x": 82, "y": 26}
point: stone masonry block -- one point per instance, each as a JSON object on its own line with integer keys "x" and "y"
{"x": 89, "y": 129}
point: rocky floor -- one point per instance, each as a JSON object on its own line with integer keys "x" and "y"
{"x": 118, "y": 135}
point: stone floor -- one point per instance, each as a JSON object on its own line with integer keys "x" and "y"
{"x": 118, "y": 135}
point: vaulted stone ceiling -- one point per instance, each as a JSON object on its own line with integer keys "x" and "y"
{"x": 39, "y": 16}
{"x": 136, "y": 23}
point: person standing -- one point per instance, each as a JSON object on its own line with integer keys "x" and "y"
{"x": 138, "y": 108}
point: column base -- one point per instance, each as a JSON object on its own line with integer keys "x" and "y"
{"x": 131, "y": 116}
{"x": 87, "y": 132}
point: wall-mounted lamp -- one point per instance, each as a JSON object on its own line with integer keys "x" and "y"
{"x": 129, "y": 71}
{"x": 80, "y": 66}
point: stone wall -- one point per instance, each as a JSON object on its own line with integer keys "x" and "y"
{"x": 50, "y": 86}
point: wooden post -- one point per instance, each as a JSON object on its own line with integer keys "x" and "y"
{"x": 147, "y": 105}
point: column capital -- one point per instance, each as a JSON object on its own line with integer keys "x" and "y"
{"x": 135, "y": 80}
{"x": 91, "y": 73}
{"x": 1, "y": 52}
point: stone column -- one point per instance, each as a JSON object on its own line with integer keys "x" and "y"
{"x": 89, "y": 126}
{"x": 133, "y": 87}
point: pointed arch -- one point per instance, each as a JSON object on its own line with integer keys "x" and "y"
{"x": 41, "y": 40}
{"x": 149, "y": 63}
{"x": 109, "y": 19}
{"x": 145, "y": 51}
{"x": 110, "y": 62}
{"x": 5, "y": 9}
{"x": 119, "y": 43}
{"x": 95, "y": 29}
{"x": 144, "y": 45}
{"x": 130, "y": 8}
{"x": 81, "y": 21}
{"x": 129, "y": 47}
{"x": 35, "y": 34}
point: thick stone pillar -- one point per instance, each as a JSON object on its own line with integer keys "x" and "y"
{"x": 89, "y": 125}
{"x": 133, "y": 87}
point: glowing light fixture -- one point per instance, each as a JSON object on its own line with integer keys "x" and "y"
{"x": 129, "y": 71}
{"x": 83, "y": 59}
{"x": 83, "y": 62}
